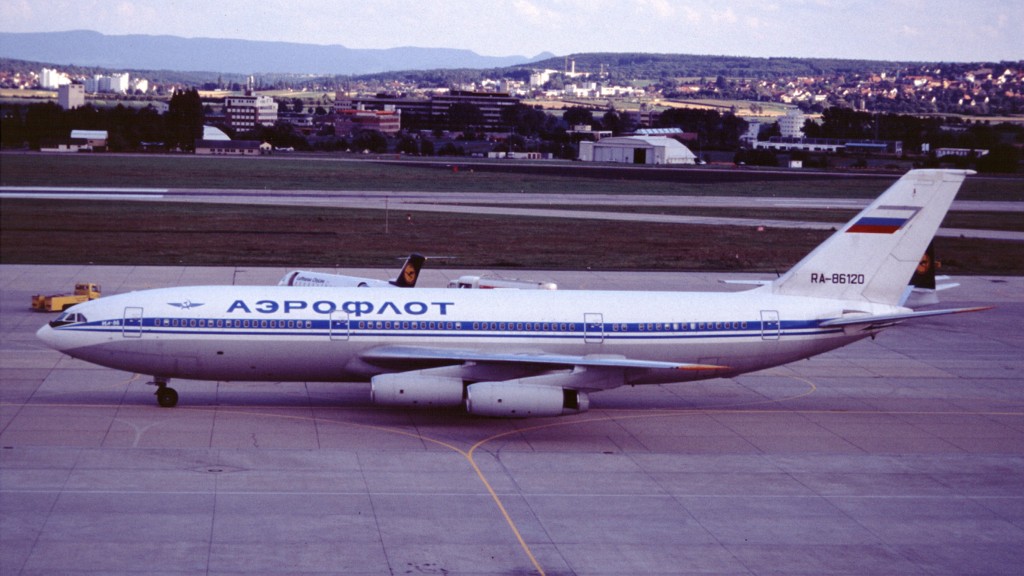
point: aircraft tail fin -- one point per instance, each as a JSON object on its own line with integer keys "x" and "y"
{"x": 874, "y": 255}
{"x": 410, "y": 271}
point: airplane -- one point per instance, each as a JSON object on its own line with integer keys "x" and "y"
{"x": 925, "y": 285}
{"x": 490, "y": 283}
{"x": 521, "y": 353}
{"x": 406, "y": 278}
{"x": 923, "y": 289}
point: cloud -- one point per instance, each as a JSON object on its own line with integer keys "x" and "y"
{"x": 658, "y": 8}
{"x": 908, "y": 31}
{"x": 533, "y": 12}
{"x": 727, "y": 16}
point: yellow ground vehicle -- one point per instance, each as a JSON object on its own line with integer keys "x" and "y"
{"x": 61, "y": 302}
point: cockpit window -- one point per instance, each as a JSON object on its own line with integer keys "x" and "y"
{"x": 68, "y": 318}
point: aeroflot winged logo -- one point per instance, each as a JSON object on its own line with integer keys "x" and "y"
{"x": 884, "y": 220}
{"x": 186, "y": 305}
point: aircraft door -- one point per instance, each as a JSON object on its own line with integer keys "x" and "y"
{"x": 339, "y": 326}
{"x": 771, "y": 328}
{"x": 131, "y": 327}
{"x": 593, "y": 328}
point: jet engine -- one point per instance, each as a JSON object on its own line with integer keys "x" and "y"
{"x": 416, "y": 389}
{"x": 516, "y": 400}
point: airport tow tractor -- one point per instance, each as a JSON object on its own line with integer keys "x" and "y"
{"x": 61, "y": 302}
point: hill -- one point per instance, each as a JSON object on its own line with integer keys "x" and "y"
{"x": 144, "y": 52}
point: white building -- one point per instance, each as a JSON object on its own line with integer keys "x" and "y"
{"x": 541, "y": 77}
{"x": 120, "y": 83}
{"x": 50, "y": 79}
{"x": 792, "y": 124}
{"x": 116, "y": 83}
{"x": 637, "y": 150}
{"x": 92, "y": 85}
{"x": 753, "y": 130}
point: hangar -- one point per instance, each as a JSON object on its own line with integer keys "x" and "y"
{"x": 637, "y": 150}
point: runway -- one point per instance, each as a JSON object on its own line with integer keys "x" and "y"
{"x": 546, "y": 205}
{"x": 899, "y": 455}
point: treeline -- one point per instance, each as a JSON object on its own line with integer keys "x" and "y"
{"x": 993, "y": 149}
{"x": 653, "y": 66}
{"x": 529, "y": 129}
{"x": 128, "y": 129}
{"x": 1003, "y": 141}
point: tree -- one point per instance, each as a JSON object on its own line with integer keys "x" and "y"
{"x": 523, "y": 119}
{"x": 516, "y": 143}
{"x": 768, "y": 131}
{"x": 845, "y": 123}
{"x": 450, "y": 149}
{"x": 185, "y": 118}
{"x": 578, "y": 115}
{"x": 45, "y": 122}
{"x": 758, "y": 157}
{"x": 407, "y": 144}
{"x": 371, "y": 140}
{"x": 12, "y": 129}
{"x": 617, "y": 123}
{"x": 1003, "y": 158}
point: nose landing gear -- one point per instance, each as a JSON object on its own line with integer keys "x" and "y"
{"x": 166, "y": 396}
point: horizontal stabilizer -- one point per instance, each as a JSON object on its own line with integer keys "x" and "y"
{"x": 445, "y": 354}
{"x": 882, "y": 320}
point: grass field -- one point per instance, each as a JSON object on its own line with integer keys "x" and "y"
{"x": 143, "y": 233}
{"x": 126, "y": 233}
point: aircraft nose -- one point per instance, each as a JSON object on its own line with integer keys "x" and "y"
{"x": 49, "y": 337}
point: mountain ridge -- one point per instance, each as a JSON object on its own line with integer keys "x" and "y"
{"x": 166, "y": 52}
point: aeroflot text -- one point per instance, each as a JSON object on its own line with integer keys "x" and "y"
{"x": 355, "y": 308}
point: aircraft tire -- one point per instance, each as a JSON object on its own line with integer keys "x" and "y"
{"x": 167, "y": 397}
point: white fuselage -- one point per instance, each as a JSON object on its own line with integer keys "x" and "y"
{"x": 323, "y": 334}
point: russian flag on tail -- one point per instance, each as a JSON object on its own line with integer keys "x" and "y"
{"x": 883, "y": 220}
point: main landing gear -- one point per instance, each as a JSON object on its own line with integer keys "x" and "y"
{"x": 166, "y": 396}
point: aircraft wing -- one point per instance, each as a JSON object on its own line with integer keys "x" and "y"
{"x": 540, "y": 358}
{"x": 874, "y": 322}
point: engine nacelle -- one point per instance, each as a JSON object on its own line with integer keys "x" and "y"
{"x": 416, "y": 389}
{"x": 515, "y": 400}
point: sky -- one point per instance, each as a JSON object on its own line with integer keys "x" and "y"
{"x": 906, "y": 30}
